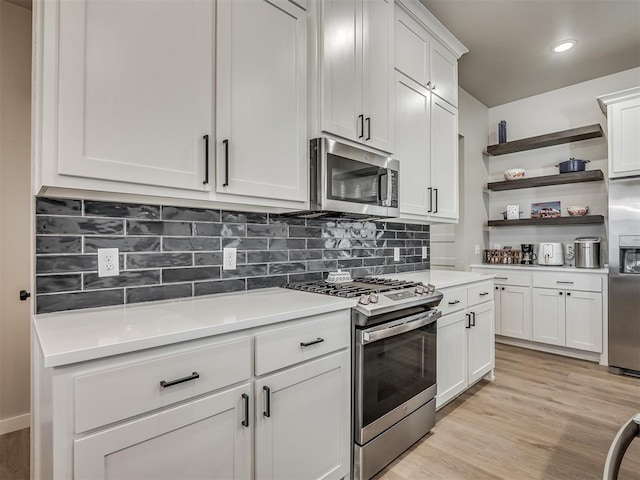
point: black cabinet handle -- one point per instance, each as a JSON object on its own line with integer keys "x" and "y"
{"x": 267, "y": 401}
{"x": 454, "y": 302}
{"x": 308, "y": 344}
{"x": 361, "y": 121}
{"x": 435, "y": 210}
{"x": 430, "y": 199}
{"x": 468, "y": 322}
{"x": 484, "y": 294}
{"x": 502, "y": 288}
{"x": 225, "y": 142}
{"x": 497, "y": 288}
{"x": 560, "y": 293}
{"x": 473, "y": 316}
{"x": 368, "y": 120}
{"x": 171, "y": 383}
{"x": 245, "y": 416}
{"x": 206, "y": 159}
{"x": 24, "y": 295}
{"x": 568, "y": 294}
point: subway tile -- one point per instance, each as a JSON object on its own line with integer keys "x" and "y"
{"x": 321, "y": 265}
{"x": 414, "y": 243}
{"x": 370, "y": 262}
{"x": 125, "y": 210}
{"x": 190, "y": 214}
{"x": 267, "y": 256}
{"x": 305, "y": 232}
{"x": 422, "y": 235}
{"x": 190, "y": 244}
{"x": 423, "y": 266}
{"x": 384, "y": 234}
{"x": 123, "y": 244}
{"x": 295, "y": 255}
{"x": 405, "y": 235}
{"x": 266, "y": 282}
{"x": 221, "y": 230}
{"x": 208, "y": 258}
{"x": 160, "y": 292}
{"x": 158, "y": 227}
{"x": 255, "y": 270}
{"x": 275, "y": 218}
{"x": 405, "y": 268}
{"x": 267, "y": 230}
{"x": 305, "y": 277}
{"x": 395, "y": 226}
{"x": 174, "y": 275}
{"x": 243, "y": 217}
{"x": 58, "y": 206}
{"x": 349, "y": 262}
{"x": 92, "y": 281}
{"x": 78, "y": 226}
{"x": 413, "y": 259}
{"x": 46, "y": 244}
{"x": 397, "y": 243}
{"x": 286, "y": 243}
{"x": 282, "y": 268}
{"x": 71, "y": 301}
{"x": 363, "y": 252}
{"x": 246, "y": 243}
{"x": 327, "y": 243}
{"x": 158, "y": 260}
{"x": 66, "y": 263}
{"x": 333, "y": 254}
{"x": 413, "y": 228}
{"x": 219, "y": 286}
{"x": 58, "y": 283}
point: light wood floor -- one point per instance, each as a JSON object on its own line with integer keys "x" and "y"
{"x": 14, "y": 455}
{"x": 544, "y": 417}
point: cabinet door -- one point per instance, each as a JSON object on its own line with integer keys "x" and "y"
{"x": 624, "y": 125}
{"x": 135, "y": 91}
{"x": 444, "y": 159}
{"x": 411, "y": 48}
{"x": 261, "y": 93}
{"x": 341, "y": 66}
{"x": 377, "y": 41}
{"x": 452, "y": 360}
{"x": 584, "y": 320}
{"x": 201, "y": 439}
{"x": 413, "y": 134}
{"x": 481, "y": 341}
{"x": 515, "y": 312}
{"x": 497, "y": 314}
{"x": 444, "y": 73}
{"x": 548, "y": 316}
{"x": 303, "y": 421}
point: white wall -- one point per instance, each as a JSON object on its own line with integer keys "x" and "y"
{"x": 565, "y": 108}
{"x": 15, "y": 213}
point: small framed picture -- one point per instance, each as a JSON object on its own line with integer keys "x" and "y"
{"x": 546, "y": 210}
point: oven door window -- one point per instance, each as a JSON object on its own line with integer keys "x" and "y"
{"x": 353, "y": 181}
{"x": 396, "y": 369}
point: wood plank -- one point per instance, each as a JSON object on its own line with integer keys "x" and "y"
{"x": 544, "y": 417}
{"x": 560, "y": 179}
{"x": 547, "y": 140}
{"x": 547, "y": 222}
{"x": 14, "y": 455}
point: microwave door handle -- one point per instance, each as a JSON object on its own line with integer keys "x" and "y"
{"x": 386, "y": 202}
{"x": 370, "y": 337}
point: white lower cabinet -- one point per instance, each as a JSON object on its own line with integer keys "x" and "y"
{"x": 548, "y": 316}
{"x": 465, "y": 351}
{"x": 515, "y": 311}
{"x": 204, "y": 438}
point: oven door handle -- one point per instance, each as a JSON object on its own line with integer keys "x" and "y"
{"x": 421, "y": 321}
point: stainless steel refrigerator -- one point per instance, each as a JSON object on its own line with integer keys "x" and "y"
{"x": 624, "y": 275}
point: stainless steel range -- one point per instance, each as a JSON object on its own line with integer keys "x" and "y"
{"x": 393, "y": 362}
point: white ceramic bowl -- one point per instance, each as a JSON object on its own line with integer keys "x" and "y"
{"x": 577, "y": 210}
{"x": 513, "y": 174}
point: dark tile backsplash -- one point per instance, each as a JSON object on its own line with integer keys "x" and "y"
{"x": 174, "y": 252}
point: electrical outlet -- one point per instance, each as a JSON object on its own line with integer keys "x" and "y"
{"x": 108, "y": 262}
{"x": 396, "y": 254}
{"x": 477, "y": 250}
{"x": 424, "y": 252}
{"x": 229, "y": 258}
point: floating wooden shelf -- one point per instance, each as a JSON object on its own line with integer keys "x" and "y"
{"x": 560, "y": 179}
{"x": 556, "y": 138}
{"x": 524, "y": 222}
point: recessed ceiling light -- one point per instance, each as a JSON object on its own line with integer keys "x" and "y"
{"x": 563, "y": 46}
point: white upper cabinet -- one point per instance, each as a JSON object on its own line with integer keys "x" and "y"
{"x": 356, "y": 71}
{"x": 623, "y": 112}
{"x": 261, "y": 141}
{"x": 444, "y": 159}
{"x": 134, "y": 91}
{"x": 444, "y": 73}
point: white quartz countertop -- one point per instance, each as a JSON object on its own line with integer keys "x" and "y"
{"x": 442, "y": 278}
{"x": 80, "y": 335}
{"x": 542, "y": 268}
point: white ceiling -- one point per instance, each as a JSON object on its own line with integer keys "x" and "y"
{"x": 510, "y": 42}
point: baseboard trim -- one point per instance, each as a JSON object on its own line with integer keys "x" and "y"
{"x": 13, "y": 424}
{"x": 564, "y": 351}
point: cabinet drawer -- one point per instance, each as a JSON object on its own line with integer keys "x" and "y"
{"x": 453, "y": 299}
{"x": 479, "y": 293}
{"x": 516, "y": 279}
{"x": 282, "y": 347}
{"x": 568, "y": 281}
{"x": 113, "y": 394}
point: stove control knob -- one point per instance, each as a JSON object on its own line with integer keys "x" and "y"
{"x": 373, "y": 298}
{"x": 419, "y": 290}
{"x": 430, "y": 288}
{"x": 364, "y": 300}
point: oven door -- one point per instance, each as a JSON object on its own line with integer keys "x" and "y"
{"x": 395, "y": 372}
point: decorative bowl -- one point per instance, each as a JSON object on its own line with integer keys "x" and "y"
{"x": 514, "y": 173}
{"x": 577, "y": 210}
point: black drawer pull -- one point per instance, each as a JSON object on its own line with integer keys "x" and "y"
{"x": 473, "y": 316}
{"x": 267, "y": 397}
{"x": 245, "y": 401}
{"x": 206, "y": 159}
{"x": 361, "y": 122}
{"x": 225, "y": 143}
{"x": 454, "y": 302}
{"x": 484, "y": 294}
{"x": 368, "y": 120}
{"x": 468, "y": 322}
{"x": 171, "y": 383}
{"x": 308, "y": 344}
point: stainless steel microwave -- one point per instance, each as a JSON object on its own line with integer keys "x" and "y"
{"x": 350, "y": 182}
